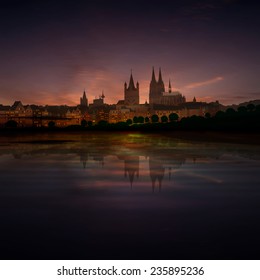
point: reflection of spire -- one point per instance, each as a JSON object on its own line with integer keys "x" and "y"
{"x": 84, "y": 158}
{"x": 156, "y": 172}
{"x": 170, "y": 173}
{"x": 132, "y": 168}
{"x": 102, "y": 163}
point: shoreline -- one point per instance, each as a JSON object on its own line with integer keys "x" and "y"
{"x": 207, "y": 135}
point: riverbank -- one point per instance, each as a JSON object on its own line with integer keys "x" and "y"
{"x": 43, "y": 134}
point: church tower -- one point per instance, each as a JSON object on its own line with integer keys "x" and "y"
{"x": 84, "y": 100}
{"x": 170, "y": 87}
{"x": 131, "y": 92}
{"x": 156, "y": 88}
{"x": 160, "y": 83}
{"x": 153, "y": 89}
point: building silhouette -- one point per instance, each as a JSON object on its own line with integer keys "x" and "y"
{"x": 156, "y": 88}
{"x": 98, "y": 102}
{"x": 161, "y": 103}
{"x": 131, "y": 92}
{"x": 84, "y": 100}
{"x": 158, "y": 95}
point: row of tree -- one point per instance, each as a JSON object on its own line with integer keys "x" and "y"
{"x": 245, "y": 118}
{"x": 154, "y": 119}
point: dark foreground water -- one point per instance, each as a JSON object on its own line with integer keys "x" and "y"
{"x": 127, "y": 196}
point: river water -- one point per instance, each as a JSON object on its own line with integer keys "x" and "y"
{"x": 128, "y": 196}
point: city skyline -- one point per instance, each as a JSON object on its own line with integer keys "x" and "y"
{"x": 50, "y": 51}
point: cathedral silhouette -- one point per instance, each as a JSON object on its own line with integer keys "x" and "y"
{"x": 157, "y": 93}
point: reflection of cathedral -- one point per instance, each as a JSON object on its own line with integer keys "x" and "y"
{"x": 156, "y": 172}
{"x": 161, "y": 164}
{"x": 131, "y": 168}
{"x": 85, "y": 156}
{"x": 157, "y": 168}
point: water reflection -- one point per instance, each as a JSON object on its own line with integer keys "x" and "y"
{"x": 154, "y": 196}
{"x": 131, "y": 167}
{"x": 158, "y": 157}
{"x": 157, "y": 162}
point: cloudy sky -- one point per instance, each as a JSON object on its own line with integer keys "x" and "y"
{"x": 51, "y": 50}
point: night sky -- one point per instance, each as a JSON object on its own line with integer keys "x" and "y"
{"x": 51, "y": 50}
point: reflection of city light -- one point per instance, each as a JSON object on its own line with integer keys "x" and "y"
{"x": 135, "y": 135}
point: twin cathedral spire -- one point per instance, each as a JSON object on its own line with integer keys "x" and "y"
{"x": 157, "y": 93}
